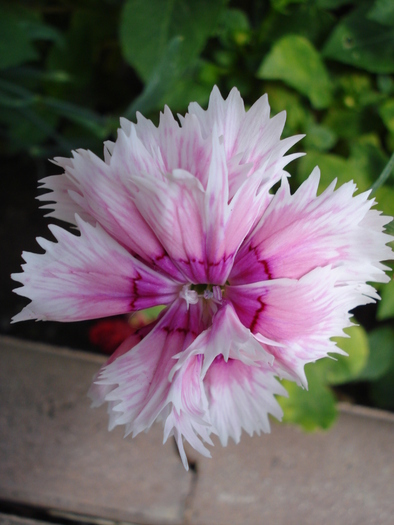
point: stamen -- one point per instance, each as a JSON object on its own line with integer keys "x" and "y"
{"x": 191, "y": 293}
{"x": 217, "y": 294}
{"x": 208, "y": 294}
{"x": 190, "y": 296}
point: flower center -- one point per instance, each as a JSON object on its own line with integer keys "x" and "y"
{"x": 192, "y": 293}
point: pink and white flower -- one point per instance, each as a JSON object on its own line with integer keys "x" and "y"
{"x": 255, "y": 284}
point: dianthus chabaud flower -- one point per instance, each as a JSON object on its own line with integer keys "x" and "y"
{"x": 254, "y": 283}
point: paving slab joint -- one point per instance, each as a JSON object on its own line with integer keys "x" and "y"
{"x": 189, "y": 500}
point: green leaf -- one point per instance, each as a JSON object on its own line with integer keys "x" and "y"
{"x": 382, "y": 12}
{"x": 28, "y": 127}
{"x": 386, "y": 111}
{"x": 331, "y": 167}
{"x": 234, "y": 28}
{"x": 152, "y": 313}
{"x": 160, "y": 82}
{"x": 319, "y": 137}
{"x": 370, "y": 160}
{"x": 386, "y": 305}
{"x": 283, "y": 99}
{"x": 15, "y": 45}
{"x": 381, "y": 354}
{"x": 316, "y": 407}
{"x": 358, "y": 89}
{"x": 333, "y": 4}
{"x": 295, "y": 61}
{"x": 390, "y": 228}
{"x": 385, "y": 84}
{"x": 382, "y": 390}
{"x": 147, "y": 27}
{"x": 362, "y": 43}
{"x": 75, "y": 54}
{"x": 383, "y": 177}
{"x": 385, "y": 200}
{"x": 345, "y": 123}
{"x": 281, "y": 5}
{"x": 306, "y": 20}
{"x": 347, "y": 368}
{"x": 33, "y": 76}
{"x": 36, "y": 30}
{"x": 196, "y": 86}
{"x": 85, "y": 117}
{"x": 13, "y": 95}
{"x": 365, "y": 162}
{"x": 311, "y": 409}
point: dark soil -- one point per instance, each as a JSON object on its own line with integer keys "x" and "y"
{"x": 21, "y": 222}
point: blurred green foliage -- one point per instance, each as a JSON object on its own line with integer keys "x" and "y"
{"x": 70, "y": 68}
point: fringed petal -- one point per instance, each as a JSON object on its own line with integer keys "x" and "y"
{"x": 250, "y": 137}
{"x": 88, "y": 276}
{"x": 241, "y": 397}
{"x": 227, "y": 337}
{"x": 188, "y": 417}
{"x": 174, "y": 210}
{"x": 101, "y": 192}
{"x": 226, "y": 115}
{"x": 300, "y": 315}
{"x": 303, "y": 231}
{"x": 136, "y": 384}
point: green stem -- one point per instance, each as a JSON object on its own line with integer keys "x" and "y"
{"x": 383, "y": 176}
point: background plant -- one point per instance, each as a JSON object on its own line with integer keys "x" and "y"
{"x": 70, "y": 68}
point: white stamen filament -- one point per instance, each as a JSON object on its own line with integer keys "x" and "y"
{"x": 192, "y": 297}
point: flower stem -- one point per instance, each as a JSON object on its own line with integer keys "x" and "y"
{"x": 383, "y": 176}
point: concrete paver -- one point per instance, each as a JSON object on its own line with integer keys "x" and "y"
{"x": 344, "y": 476}
{"x": 9, "y": 519}
{"x": 56, "y": 452}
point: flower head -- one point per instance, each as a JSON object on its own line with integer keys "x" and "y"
{"x": 255, "y": 284}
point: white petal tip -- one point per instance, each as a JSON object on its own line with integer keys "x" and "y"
{"x": 25, "y": 315}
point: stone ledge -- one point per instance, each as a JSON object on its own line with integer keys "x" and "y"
{"x": 56, "y": 454}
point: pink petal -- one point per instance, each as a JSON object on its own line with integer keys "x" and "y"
{"x": 88, "y": 276}
{"x": 173, "y": 209}
{"x": 162, "y": 142}
{"x": 103, "y": 192}
{"x": 221, "y": 383}
{"x": 241, "y": 397}
{"x": 63, "y": 206}
{"x": 190, "y": 221}
{"x": 245, "y": 208}
{"x": 228, "y": 223}
{"x": 301, "y": 315}
{"x": 177, "y": 147}
{"x": 226, "y": 115}
{"x": 136, "y": 383}
{"x": 197, "y": 227}
{"x": 215, "y": 216}
{"x": 227, "y": 337}
{"x": 250, "y": 137}
{"x": 259, "y": 140}
{"x": 188, "y": 418}
{"x": 303, "y": 231}
{"x": 98, "y": 392}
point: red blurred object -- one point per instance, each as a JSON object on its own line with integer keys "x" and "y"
{"x": 109, "y": 334}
